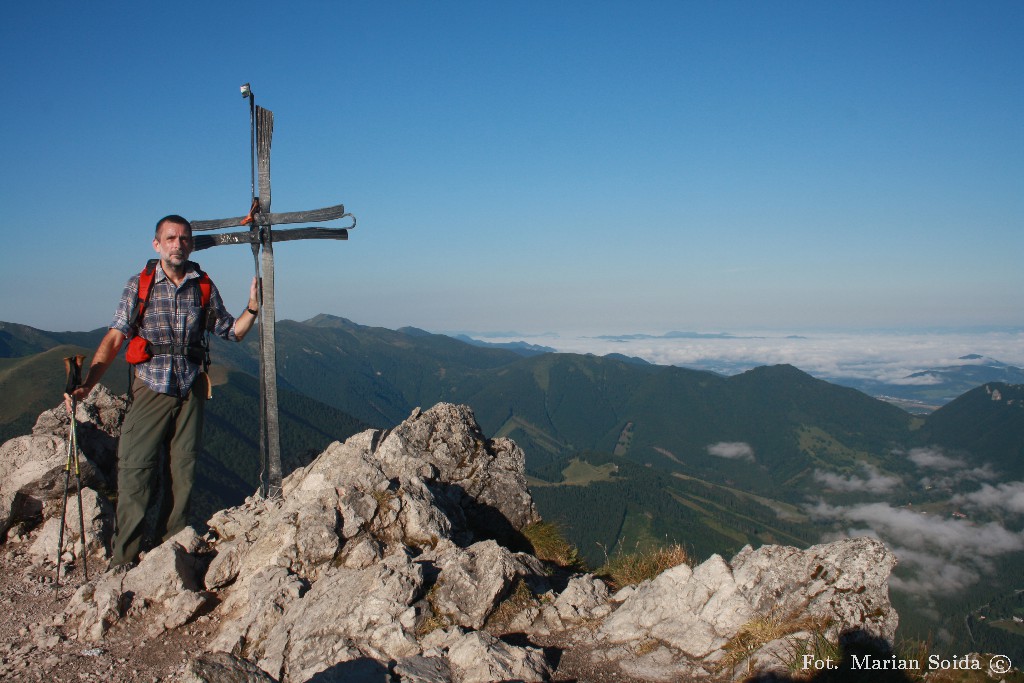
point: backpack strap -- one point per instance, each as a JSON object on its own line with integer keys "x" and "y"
{"x": 146, "y": 278}
{"x": 205, "y": 289}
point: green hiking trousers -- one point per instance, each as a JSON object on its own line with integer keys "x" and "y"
{"x": 155, "y": 421}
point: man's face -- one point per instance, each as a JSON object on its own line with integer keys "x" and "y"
{"x": 173, "y": 243}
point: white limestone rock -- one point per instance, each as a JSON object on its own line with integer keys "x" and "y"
{"x": 472, "y": 582}
{"x": 584, "y": 598}
{"x": 98, "y": 515}
{"x": 348, "y": 613}
{"x": 485, "y": 478}
{"x": 694, "y": 611}
{"x": 270, "y": 594}
{"x": 163, "y": 591}
{"x": 847, "y": 581}
{"x": 690, "y": 615}
{"x": 32, "y": 467}
{"x": 478, "y": 657}
{"x": 95, "y": 607}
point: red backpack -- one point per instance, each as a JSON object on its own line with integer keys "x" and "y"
{"x": 140, "y": 349}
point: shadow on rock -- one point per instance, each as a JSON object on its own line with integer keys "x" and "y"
{"x": 362, "y": 670}
{"x": 487, "y": 522}
{"x": 552, "y": 654}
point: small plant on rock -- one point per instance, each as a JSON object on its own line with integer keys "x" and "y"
{"x": 765, "y": 628}
{"x": 518, "y": 599}
{"x": 622, "y": 569}
{"x": 385, "y": 500}
{"x": 646, "y": 647}
{"x": 432, "y": 618}
{"x": 550, "y": 545}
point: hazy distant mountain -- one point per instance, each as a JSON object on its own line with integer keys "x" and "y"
{"x": 553, "y": 404}
{"x": 557, "y": 404}
{"x": 987, "y": 421}
{"x": 928, "y": 389}
{"x": 21, "y": 340}
{"x": 672, "y": 335}
{"x": 974, "y": 371}
{"x": 627, "y": 359}
{"x": 520, "y": 347}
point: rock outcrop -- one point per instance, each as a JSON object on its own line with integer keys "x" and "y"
{"x": 32, "y": 468}
{"x": 162, "y": 592}
{"x": 685, "y": 619}
{"x": 402, "y": 553}
{"x": 368, "y": 542}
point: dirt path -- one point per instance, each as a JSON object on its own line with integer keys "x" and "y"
{"x": 35, "y": 645}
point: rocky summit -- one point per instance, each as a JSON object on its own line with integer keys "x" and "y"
{"x": 404, "y": 555}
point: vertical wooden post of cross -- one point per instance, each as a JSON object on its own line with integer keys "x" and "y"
{"x": 268, "y": 319}
{"x": 261, "y": 236}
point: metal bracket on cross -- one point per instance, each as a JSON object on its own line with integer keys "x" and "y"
{"x": 261, "y": 237}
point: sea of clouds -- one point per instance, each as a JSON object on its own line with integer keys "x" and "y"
{"x": 885, "y": 356}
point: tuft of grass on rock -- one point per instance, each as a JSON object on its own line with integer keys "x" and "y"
{"x": 628, "y": 569}
{"x": 549, "y": 544}
{"x": 765, "y": 628}
{"x": 519, "y": 598}
{"x": 432, "y": 619}
{"x": 646, "y": 647}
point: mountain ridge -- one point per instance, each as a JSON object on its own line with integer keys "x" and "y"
{"x": 698, "y": 457}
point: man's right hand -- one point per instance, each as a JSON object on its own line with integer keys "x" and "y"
{"x": 79, "y": 394}
{"x": 109, "y": 346}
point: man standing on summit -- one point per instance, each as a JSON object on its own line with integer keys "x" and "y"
{"x": 166, "y": 320}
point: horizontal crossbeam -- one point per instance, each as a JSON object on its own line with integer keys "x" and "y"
{"x": 201, "y": 242}
{"x": 329, "y": 213}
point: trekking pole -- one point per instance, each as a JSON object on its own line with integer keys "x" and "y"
{"x": 73, "y": 371}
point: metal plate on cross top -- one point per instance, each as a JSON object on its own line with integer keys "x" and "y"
{"x": 261, "y": 237}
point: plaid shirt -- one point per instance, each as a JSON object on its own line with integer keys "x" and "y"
{"x": 173, "y": 315}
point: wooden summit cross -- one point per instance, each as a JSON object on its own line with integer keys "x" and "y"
{"x": 261, "y": 235}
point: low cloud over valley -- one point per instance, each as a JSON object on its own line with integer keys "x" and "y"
{"x": 733, "y": 450}
{"x": 940, "y": 548}
{"x": 873, "y": 481}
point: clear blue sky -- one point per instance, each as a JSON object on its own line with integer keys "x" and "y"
{"x": 600, "y": 166}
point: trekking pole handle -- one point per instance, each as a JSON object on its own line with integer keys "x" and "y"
{"x": 73, "y": 372}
